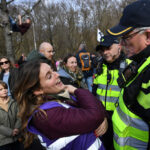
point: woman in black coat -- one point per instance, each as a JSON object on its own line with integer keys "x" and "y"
{"x": 8, "y": 73}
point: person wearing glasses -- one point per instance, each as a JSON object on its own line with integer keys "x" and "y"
{"x": 8, "y": 73}
{"x": 45, "y": 51}
{"x": 131, "y": 119}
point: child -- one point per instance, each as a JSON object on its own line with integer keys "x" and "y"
{"x": 9, "y": 122}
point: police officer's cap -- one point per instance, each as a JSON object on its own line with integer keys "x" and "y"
{"x": 135, "y": 15}
{"x": 107, "y": 41}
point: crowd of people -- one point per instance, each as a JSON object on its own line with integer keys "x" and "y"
{"x": 81, "y": 102}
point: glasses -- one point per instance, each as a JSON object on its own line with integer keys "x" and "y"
{"x": 5, "y": 62}
{"x": 52, "y": 52}
{"x": 125, "y": 39}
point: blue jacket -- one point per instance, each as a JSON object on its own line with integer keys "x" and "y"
{"x": 66, "y": 78}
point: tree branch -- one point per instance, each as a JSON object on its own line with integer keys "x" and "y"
{"x": 30, "y": 10}
{"x": 37, "y": 3}
{"x": 9, "y": 2}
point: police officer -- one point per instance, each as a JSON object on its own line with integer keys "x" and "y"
{"x": 105, "y": 84}
{"x": 131, "y": 119}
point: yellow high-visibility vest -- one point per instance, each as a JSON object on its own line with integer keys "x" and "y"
{"x": 130, "y": 131}
{"x": 113, "y": 90}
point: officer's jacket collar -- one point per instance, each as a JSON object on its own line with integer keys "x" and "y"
{"x": 142, "y": 55}
{"x": 116, "y": 63}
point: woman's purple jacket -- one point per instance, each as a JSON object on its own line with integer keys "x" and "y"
{"x": 69, "y": 127}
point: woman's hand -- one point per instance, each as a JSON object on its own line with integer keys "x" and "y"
{"x": 102, "y": 128}
{"x": 15, "y": 132}
{"x": 70, "y": 89}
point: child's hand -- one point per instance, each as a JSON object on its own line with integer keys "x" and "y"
{"x": 15, "y": 132}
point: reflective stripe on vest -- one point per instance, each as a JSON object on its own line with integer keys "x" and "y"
{"x": 134, "y": 122}
{"x": 127, "y": 125}
{"x": 113, "y": 89}
{"x": 130, "y": 131}
{"x": 109, "y": 99}
{"x": 130, "y": 142}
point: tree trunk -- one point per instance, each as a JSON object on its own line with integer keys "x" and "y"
{"x": 8, "y": 38}
{"x": 8, "y": 44}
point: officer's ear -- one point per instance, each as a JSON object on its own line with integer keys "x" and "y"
{"x": 148, "y": 37}
{"x": 119, "y": 48}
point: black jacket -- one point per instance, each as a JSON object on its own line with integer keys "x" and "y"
{"x": 34, "y": 54}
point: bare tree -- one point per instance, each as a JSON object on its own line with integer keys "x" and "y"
{"x": 64, "y": 24}
{"x": 6, "y": 26}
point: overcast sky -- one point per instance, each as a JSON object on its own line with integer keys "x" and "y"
{"x": 47, "y": 1}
